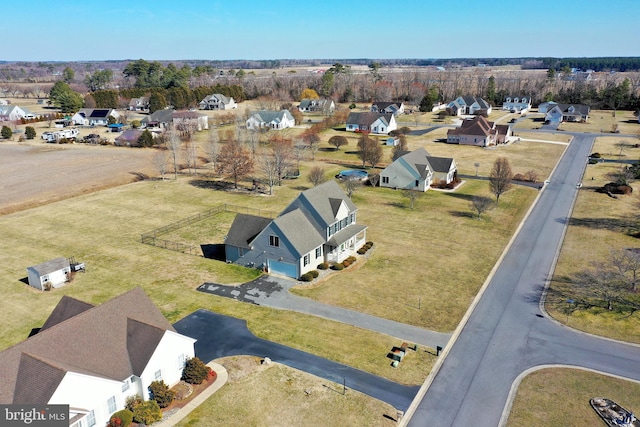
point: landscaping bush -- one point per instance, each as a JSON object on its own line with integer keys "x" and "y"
{"x": 596, "y": 155}
{"x": 30, "y": 132}
{"x": 160, "y": 392}
{"x": 122, "y": 418}
{"x": 323, "y": 266}
{"x": 195, "y": 371}
{"x": 519, "y": 177}
{"x": 362, "y": 251}
{"x": 6, "y": 132}
{"x": 314, "y": 273}
{"x": 337, "y": 267}
{"x": 132, "y": 402}
{"x": 147, "y": 412}
{"x": 346, "y": 263}
{"x": 352, "y": 259}
{"x": 306, "y": 277}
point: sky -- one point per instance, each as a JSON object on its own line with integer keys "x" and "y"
{"x": 72, "y": 30}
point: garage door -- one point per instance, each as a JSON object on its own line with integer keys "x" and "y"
{"x": 283, "y": 268}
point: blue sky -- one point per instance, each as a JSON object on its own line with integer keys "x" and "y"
{"x": 72, "y": 30}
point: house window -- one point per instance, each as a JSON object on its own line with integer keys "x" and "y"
{"x": 158, "y": 375}
{"x": 305, "y": 260}
{"x": 417, "y": 182}
{"x": 125, "y": 386}
{"x": 181, "y": 361}
{"x": 274, "y": 241}
{"x": 111, "y": 405}
{"x": 91, "y": 419}
{"x": 241, "y": 251}
{"x": 318, "y": 251}
{"x": 385, "y": 179}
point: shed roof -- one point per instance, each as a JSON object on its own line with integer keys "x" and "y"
{"x": 51, "y": 266}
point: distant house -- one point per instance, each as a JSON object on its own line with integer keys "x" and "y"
{"x": 468, "y": 105}
{"x": 325, "y": 106}
{"x": 192, "y": 119}
{"x": 318, "y": 226}
{"x": 139, "y": 104}
{"x": 128, "y": 138}
{"x": 11, "y": 113}
{"x": 567, "y": 113}
{"x": 394, "y": 108}
{"x": 217, "y": 101}
{"x": 546, "y": 106}
{"x": 480, "y": 132}
{"x": 517, "y": 104}
{"x": 50, "y": 274}
{"x": 381, "y": 123}
{"x": 158, "y": 120}
{"x": 94, "y": 116}
{"x": 274, "y": 120}
{"x": 93, "y": 358}
{"x": 392, "y": 141}
{"x": 417, "y": 170}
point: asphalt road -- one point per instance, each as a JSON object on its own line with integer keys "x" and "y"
{"x": 507, "y": 333}
{"x": 220, "y": 336}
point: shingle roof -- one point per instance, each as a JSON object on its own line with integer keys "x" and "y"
{"x": 67, "y": 308}
{"x": 317, "y": 201}
{"x": 50, "y": 266}
{"x": 476, "y": 126}
{"x": 244, "y": 229}
{"x": 367, "y": 118}
{"x": 440, "y": 164}
{"x": 84, "y": 344}
{"x": 272, "y": 116}
{"x": 299, "y": 231}
{"x": 161, "y": 116}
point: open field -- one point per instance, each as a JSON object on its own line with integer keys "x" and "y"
{"x": 598, "y": 225}
{"x": 560, "y": 397}
{"x": 264, "y": 395}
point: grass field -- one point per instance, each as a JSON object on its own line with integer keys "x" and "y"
{"x": 560, "y": 397}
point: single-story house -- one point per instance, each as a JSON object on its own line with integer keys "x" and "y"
{"x": 217, "y": 101}
{"x": 193, "y": 119}
{"x": 545, "y": 107}
{"x": 567, "y": 113}
{"x": 267, "y": 119}
{"x": 480, "y": 132}
{"x": 517, "y": 104}
{"x": 93, "y": 358}
{"x": 417, "y": 170}
{"x": 50, "y": 274}
{"x": 161, "y": 119}
{"x": 468, "y": 105}
{"x": 394, "y": 108}
{"x": 381, "y": 123}
{"x": 318, "y": 226}
{"x": 11, "y": 113}
{"x": 139, "y": 104}
{"x": 129, "y": 138}
{"x": 94, "y": 116}
{"x": 325, "y": 106}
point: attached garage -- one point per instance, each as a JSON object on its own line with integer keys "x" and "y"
{"x": 283, "y": 268}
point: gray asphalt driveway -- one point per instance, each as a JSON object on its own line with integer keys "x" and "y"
{"x": 272, "y": 291}
{"x": 220, "y": 336}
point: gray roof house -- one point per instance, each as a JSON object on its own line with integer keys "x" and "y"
{"x": 381, "y": 123}
{"x": 160, "y": 119}
{"x": 139, "y": 104}
{"x": 417, "y": 170}
{"x": 517, "y": 104}
{"x": 50, "y": 274}
{"x": 470, "y": 105}
{"x": 325, "y": 106}
{"x": 394, "y": 108}
{"x": 318, "y": 226}
{"x": 567, "y": 113}
{"x": 93, "y": 358}
{"x": 217, "y": 101}
{"x": 268, "y": 119}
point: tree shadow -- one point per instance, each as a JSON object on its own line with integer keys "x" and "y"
{"x": 627, "y": 226}
{"x": 212, "y": 185}
{"x": 139, "y": 176}
{"x": 464, "y": 214}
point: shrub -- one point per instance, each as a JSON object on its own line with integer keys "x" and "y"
{"x": 30, "y": 132}
{"x": 337, "y": 267}
{"x": 132, "y": 402}
{"x": 124, "y": 418}
{"x": 323, "y": 266}
{"x": 6, "y": 132}
{"x": 306, "y": 277}
{"x": 314, "y": 273}
{"x": 195, "y": 371}
{"x": 362, "y": 251}
{"x": 160, "y": 392}
{"x": 147, "y": 412}
{"x": 369, "y": 243}
{"x": 518, "y": 177}
{"x": 352, "y": 259}
{"x": 596, "y": 155}
{"x": 346, "y": 263}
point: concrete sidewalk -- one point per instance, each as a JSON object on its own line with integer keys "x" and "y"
{"x": 221, "y": 379}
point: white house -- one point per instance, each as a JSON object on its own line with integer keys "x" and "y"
{"x": 468, "y": 105}
{"x": 325, "y": 106}
{"x": 94, "y": 116}
{"x": 194, "y": 120}
{"x": 139, "y": 104}
{"x": 274, "y": 120}
{"x": 567, "y": 113}
{"x": 13, "y": 112}
{"x": 394, "y": 108}
{"x": 517, "y": 104}
{"x": 417, "y": 170}
{"x": 218, "y": 101}
{"x": 381, "y": 123}
{"x": 93, "y": 358}
{"x": 50, "y": 274}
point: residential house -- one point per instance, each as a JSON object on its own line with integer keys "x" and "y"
{"x": 324, "y": 106}
{"x": 139, "y": 104}
{"x": 217, "y": 101}
{"x": 394, "y": 108}
{"x": 129, "y": 138}
{"x": 517, "y": 104}
{"x": 545, "y": 107}
{"x": 318, "y": 226}
{"x": 480, "y": 132}
{"x": 417, "y": 170}
{"x": 50, "y": 274}
{"x": 158, "y": 120}
{"x": 468, "y": 105}
{"x": 94, "y": 116}
{"x": 190, "y": 119}
{"x": 11, "y": 113}
{"x": 567, "y": 113}
{"x": 93, "y": 358}
{"x": 274, "y": 120}
{"x": 382, "y": 123}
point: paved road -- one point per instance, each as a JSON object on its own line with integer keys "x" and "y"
{"x": 220, "y": 336}
{"x": 507, "y": 333}
{"x": 274, "y": 292}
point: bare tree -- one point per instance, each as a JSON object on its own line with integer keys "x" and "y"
{"x": 174, "y": 144}
{"x": 411, "y": 196}
{"x": 252, "y": 141}
{"x": 282, "y": 152}
{"x": 299, "y": 151}
{"x": 212, "y": 148}
{"x": 599, "y": 282}
{"x": 313, "y": 143}
{"x": 269, "y": 169}
{"x": 338, "y": 141}
{"x": 621, "y": 145}
{"x": 481, "y": 204}
{"x": 500, "y": 178}
{"x": 316, "y": 176}
{"x": 370, "y": 151}
{"x": 161, "y": 163}
{"x": 627, "y": 263}
{"x": 191, "y": 157}
{"x": 351, "y": 185}
{"x": 234, "y": 161}
{"x": 400, "y": 149}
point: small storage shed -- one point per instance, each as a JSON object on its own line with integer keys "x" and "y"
{"x": 54, "y": 273}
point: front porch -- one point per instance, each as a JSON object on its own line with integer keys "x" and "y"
{"x": 345, "y": 243}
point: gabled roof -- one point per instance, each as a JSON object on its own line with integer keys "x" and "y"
{"x": 297, "y": 228}
{"x": 367, "y": 118}
{"x": 580, "y": 109}
{"x": 129, "y": 135}
{"x": 440, "y": 164}
{"x": 382, "y": 105}
{"x": 51, "y": 266}
{"x": 67, "y": 308}
{"x": 477, "y": 126}
{"x": 244, "y": 229}
{"x": 418, "y": 161}
{"x": 160, "y": 116}
{"x": 267, "y": 116}
{"x": 187, "y": 115}
{"x": 104, "y": 341}
{"x": 217, "y": 97}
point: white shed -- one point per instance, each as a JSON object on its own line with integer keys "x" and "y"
{"x": 54, "y": 273}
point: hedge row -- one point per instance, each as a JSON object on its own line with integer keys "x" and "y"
{"x": 309, "y": 275}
